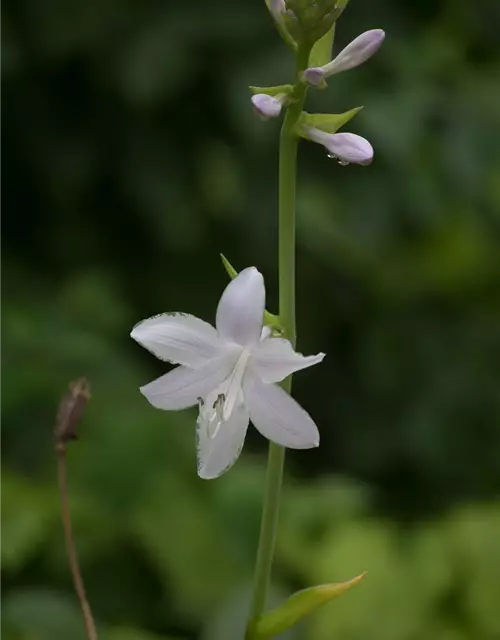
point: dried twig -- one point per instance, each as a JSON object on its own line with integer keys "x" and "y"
{"x": 69, "y": 415}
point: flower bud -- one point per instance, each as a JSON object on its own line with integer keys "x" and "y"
{"x": 71, "y": 410}
{"x": 277, "y": 9}
{"x": 309, "y": 20}
{"x": 347, "y": 148}
{"x": 267, "y": 106}
{"x": 357, "y": 52}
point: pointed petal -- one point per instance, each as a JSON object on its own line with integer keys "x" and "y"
{"x": 182, "y": 387}
{"x": 274, "y": 359}
{"x": 241, "y": 308}
{"x": 219, "y": 452}
{"x": 179, "y": 338}
{"x": 279, "y": 417}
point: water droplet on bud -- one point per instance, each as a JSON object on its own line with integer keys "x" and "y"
{"x": 342, "y": 163}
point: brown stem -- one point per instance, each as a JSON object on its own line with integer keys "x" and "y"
{"x": 70, "y": 543}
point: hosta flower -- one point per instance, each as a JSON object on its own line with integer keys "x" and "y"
{"x": 230, "y": 373}
{"x": 357, "y": 52}
{"x": 345, "y": 147}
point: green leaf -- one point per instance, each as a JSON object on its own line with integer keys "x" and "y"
{"x": 322, "y": 51}
{"x": 297, "y": 607}
{"x": 287, "y": 89}
{"x": 270, "y": 319}
{"x": 329, "y": 122}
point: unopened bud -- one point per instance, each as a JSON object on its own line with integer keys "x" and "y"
{"x": 277, "y": 9}
{"x": 71, "y": 410}
{"x": 358, "y": 51}
{"x": 267, "y": 106}
{"x": 309, "y": 20}
{"x": 347, "y": 148}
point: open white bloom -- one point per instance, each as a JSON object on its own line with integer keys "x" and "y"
{"x": 267, "y": 106}
{"x": 356, "y": 52}
{"x": 346, "y": 147}
{"x": 230, "y": 373}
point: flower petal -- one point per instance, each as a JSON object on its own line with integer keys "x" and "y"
{"x": 182, "y": 387}
{"x": 278, "y": 416}
{"x": 274, "y": 359}
{"x": 220, "y": 451}
{"x": 241, "y": 308}
{"x": 179, "y": 338}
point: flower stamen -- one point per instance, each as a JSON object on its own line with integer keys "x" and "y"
{"x": 234, "y": 384}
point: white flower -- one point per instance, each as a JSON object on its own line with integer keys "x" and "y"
{"x": 230, "y": 373}
{"x": 346, "y": 147}
{"x": 267, "y": 106}
{"x": 356, "y": 52}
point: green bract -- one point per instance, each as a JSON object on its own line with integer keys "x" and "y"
{"x": 280, "y": 89}
{"x": 328, "y": 122}
{"x": 297, "y": 607}
{"x": 322, "y": 50}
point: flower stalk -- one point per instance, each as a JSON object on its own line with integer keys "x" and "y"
{"x": 286, "y": 247}
{"x": 70, "y": 412}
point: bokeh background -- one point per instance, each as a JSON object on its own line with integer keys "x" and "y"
{"x": 131, "y": 159}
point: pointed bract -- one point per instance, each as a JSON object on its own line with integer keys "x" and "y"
{"x": 229, "y": 373}
{"x": 298, "y": 606}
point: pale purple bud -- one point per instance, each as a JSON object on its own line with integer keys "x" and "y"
{"x": 356, "y": 52}
{"x": 314, "y": 76}
{"x": 267, "y": 106}
{"x": 277, "y": 8}
{"x": 347, "y": 148}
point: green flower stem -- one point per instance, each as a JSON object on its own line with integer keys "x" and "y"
{"x": 287, "y": 178}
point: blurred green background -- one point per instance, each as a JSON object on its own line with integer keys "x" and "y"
{"x": 131, "y": 158}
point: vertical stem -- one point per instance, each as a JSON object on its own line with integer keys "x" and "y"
{"x": 70, "y": 544}
{"x": 276, "y": 459}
